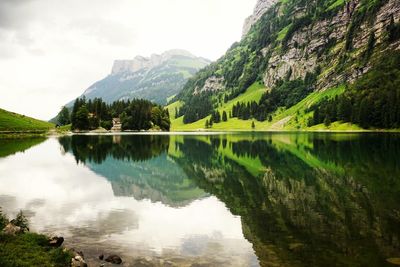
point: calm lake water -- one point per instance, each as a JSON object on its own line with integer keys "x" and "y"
{"x": 240, "y": 199}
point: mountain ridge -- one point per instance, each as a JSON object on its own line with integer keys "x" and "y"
{"x": 141, "y": 62}
{"x": 154, "y": 78}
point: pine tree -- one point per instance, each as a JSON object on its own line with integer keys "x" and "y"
{"x": 224, "y": 116}
{"x": 316, "y": 116}
{"x": 370, "y": 45}
{"x": 344, "y": 109}
{"x": 81, "y": 119}
{"x": 393, "y": 30}
{"x": 327, "y": 121}
{"x": 3, "y": 220}
{"x": 253, "y": 125}
{"x": 64, "y": 116}
{"x": 21, "y": 221}
{"x": 207, "y": 124}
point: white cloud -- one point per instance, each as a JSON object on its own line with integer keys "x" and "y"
{"x": 52, "y": 50}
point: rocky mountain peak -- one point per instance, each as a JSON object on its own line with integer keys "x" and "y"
{"x": 141, "y": 62}
{"x": 261, "y": 7}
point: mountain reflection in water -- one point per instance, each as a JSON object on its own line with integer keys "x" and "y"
{"x": 222, "y": 200}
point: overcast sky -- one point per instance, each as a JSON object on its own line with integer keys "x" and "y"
{"x": 52, "y": 50}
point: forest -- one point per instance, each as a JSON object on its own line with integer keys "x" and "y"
{"x": 373, "y": 101}
{"x": 135, "y": 115}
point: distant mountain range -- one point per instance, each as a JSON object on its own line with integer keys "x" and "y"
{"x": 155, "y": 78}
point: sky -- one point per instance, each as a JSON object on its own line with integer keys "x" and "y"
{"x": 52, "y": 50}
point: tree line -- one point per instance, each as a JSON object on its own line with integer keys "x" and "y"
{"x": 136, "y": 114}
{"x": 373, "y": 101}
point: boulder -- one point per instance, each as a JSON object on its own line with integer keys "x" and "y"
{"x": 12, "y": 229}
{"x": 101, "y": 257}
{"x": 78, "y": 261}
{"x": 56, "y": 241}
{"x": 114, "y": 259}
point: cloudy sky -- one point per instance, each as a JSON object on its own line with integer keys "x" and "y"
{"x": 52, "y": 50}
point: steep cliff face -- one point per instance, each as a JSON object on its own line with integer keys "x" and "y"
{"x": 305, "y": 49}
{"x": 261, "y": 7}
{"x": 295, "y": 48}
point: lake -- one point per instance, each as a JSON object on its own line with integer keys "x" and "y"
{"x": 222, "y": 199}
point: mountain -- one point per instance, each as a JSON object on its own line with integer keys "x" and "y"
{"x": 13, "y": 122}
{"x": 155, "y": 78}
{"x": 301, "y": 64}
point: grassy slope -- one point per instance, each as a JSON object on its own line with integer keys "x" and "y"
{"x": 294, "y": 118}
{"x": 253, "y": 93}
{"x": 30, "y": 249}
{"x": 13, "y": 122}
{"x": 171, "y": 108}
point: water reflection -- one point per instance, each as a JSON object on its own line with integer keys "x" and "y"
{"x": 70, "y": 199}
{"x": 222, "y": 200}
{"x": 140, "y": 167}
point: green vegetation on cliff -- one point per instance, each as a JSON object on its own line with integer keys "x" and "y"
{"x": 298, "y": 49}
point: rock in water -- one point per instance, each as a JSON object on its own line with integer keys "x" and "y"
{"x": 114, "y": 259}
{"x": 78, "y": 261}
{"x": 395, "y": 261}
{"x": 101, "y": 257}
{"x": 56, "y": 241}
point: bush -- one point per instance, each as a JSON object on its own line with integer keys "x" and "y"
{"x": 3, "y": 220}
{"x": 21, "y": 221}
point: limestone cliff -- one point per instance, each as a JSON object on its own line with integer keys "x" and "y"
{"x": 304, "y": 49}
{"x": 261, "y": 7}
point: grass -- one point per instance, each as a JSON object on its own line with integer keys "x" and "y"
{"x": 171, "y": 108}
{"x": 298, "y": 113}
{"x": 64, "y": 128}
{"x": 335, "y": 4}
{"x": 13, "y": 122}
{"x": 337, "y": 126}
{"x": 294, "y": 118}
{"x": 30, "y": 249}
{"x": 283, "y": 33}
{"x": 253, "y": 93}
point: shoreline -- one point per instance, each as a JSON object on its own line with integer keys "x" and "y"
{"x": 55, "y": 133}
{"x": 22, "y": 134}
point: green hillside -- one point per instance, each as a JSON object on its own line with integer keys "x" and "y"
{"x": 294, "y": 118}
{"x": 13, "y": 122}
{"x": 303, "y": 65}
